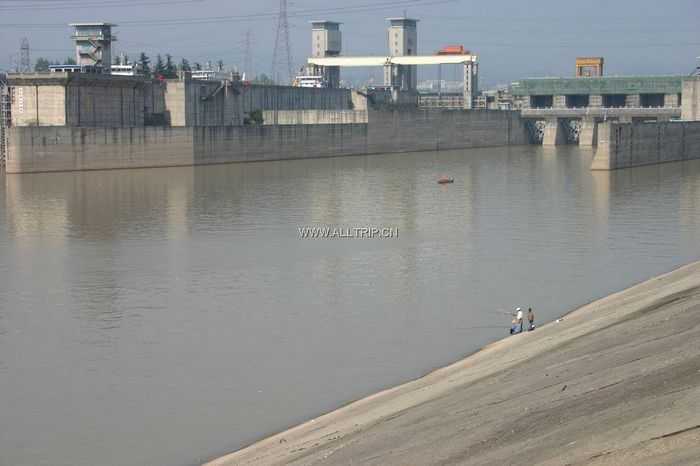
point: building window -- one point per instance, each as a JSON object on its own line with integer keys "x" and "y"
{"x": 541, "y": 101}
{"x": 614, "y": 100}
{"x": 651, "y": 100}
{"x": 577, "y": 101}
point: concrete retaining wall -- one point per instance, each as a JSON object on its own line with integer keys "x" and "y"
{"x": 261, "y": 97}
{"x": 259, "y": 143}
{"x": 211, "y": 103}
{"x": 46, "y": 149}
{"x": 690, "y": 100}
{"x": 42, "y": 149}
{"x": 59, "y": 99}
{"x": 625, "y": 145}
{"x": 201, "y": 103}
{"x": 432, "y": 129}
{"x": 99, "y": 106}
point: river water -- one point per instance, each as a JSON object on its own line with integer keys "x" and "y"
{"x": 167, "y": 316}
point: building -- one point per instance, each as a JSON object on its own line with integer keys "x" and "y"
{"x": 598, "y": 92}
{"x": 565, "y": 110}
{"x": 93, "y": 44}
{"x": 99, "y": 100}
{"x": 400, "y": 66}
{"x": 326, "y": 41}
{"x": 310, "y": 81}
{"x": 589, "y": 67}
{"x": 90, "y": 69}
{"x": 213, "y": 75}
{"x": 78, "y": 100}
{"x": 495, "y": 99}
{"x": 402, "y": 40}
{"x": 129, "y": 69}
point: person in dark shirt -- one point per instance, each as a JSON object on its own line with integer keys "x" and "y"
{"x": 531, "y": 319}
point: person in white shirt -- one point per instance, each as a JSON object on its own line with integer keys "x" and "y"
{"x": 519, "y": 317}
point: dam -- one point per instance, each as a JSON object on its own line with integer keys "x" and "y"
{"x": 64, "y": 122}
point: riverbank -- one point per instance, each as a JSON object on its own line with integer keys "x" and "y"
{"x": 614, "y": 382}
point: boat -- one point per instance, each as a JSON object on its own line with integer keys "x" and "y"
{"x": 445, "y": 180}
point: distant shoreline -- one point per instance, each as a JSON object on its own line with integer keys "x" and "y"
{"x": 517, "y": 389}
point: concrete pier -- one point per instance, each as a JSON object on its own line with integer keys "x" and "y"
{"x": 625, "y": 145}
{"x": 588, "y": 135}
{"x": 554, "y": 134}
{"x": 690, "y": 104}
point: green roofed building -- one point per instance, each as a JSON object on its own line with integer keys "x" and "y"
{"x": 607, "y": 92}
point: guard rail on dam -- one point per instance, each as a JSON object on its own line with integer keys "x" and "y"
{"x": 45, "y": 149}
{"x": 603, "y": 112}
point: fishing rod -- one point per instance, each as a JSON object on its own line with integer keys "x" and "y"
{"x": 482, "y": 327}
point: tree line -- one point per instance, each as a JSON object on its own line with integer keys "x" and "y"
{"x": 163, "y": 68}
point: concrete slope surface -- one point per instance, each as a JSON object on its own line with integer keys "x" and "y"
{"x": 616, "y": 382}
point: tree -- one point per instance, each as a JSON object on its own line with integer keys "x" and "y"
{"x": 220, "y": 65}
{"x": 159, "y": 69}
{"x": 197, "y": 66}
{"x": 254, "y": 117}
{"x": 169, "y": 70}
{"x": 263, "y": 79}
{"x": 70, "y": 61}
{"x": 42, "y": 65}
{"x": 145, "y": 65}
{"x": 185, "y": 65}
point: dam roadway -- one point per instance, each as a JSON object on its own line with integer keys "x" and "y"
{"x": 617, "y": 382}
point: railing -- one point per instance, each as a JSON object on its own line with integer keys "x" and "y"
{"x": 444, "y": 101}
{"x": 602, "y": 111}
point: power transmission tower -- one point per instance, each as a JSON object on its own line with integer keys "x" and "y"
{"x": 25, "y": 64}
{"x": 282, "y": 46}
{"x": 248, "y": 56}
{"x": 14, "y": 62}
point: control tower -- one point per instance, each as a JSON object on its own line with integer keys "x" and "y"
{"x": 93, "y": 44}
{"x": 327, "y": 41}
{"x": 402, "y": 39}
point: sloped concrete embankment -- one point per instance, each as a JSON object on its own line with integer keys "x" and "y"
{"x": 617, "y": 382}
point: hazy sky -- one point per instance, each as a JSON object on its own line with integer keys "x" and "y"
{"x": 513, "y": 38}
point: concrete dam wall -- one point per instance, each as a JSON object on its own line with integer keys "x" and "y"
{"x": 45, "y": 149}
{"x": 626, "y": 145}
